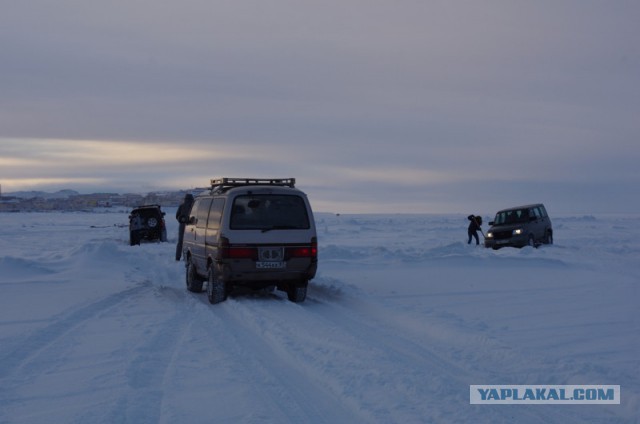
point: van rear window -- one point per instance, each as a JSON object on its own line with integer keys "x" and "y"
{"x": 269, "y": 212}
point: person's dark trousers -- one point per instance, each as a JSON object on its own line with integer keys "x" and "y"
{"x": 179, "y": 244}
{"x": 471, "y": 234}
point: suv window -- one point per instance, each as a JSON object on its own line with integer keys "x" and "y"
{"x": 512, "y": 217}
{"x": 537, "y": 213}
{"x": 543, "y": 211}
{"x": 269, "y": 211}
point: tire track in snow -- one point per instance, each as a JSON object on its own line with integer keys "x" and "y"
{"x": 31, "y": 355}
{"x": 369, "y": 368}
{"x": 413, "y": 375}
{"x": 383, "y": 380}
{"x": 418, "y": 369}
{"x": 318, "y": 362}
{"x": 145, "y": 375}
{"x": 294, "y": 395}
{"x": 46, "y": 350}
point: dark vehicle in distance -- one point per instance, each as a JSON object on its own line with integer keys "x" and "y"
{"x": 520, "y": 226}
{"x": 147, "y": 223}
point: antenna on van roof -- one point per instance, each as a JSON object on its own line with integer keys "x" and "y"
{"x": 226, "y": 183}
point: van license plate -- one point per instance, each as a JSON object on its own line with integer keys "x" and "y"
{"x": 270, "y": 254}
{"x": 269, "y": 265}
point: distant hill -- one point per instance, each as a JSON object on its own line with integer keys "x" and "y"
{"x": 61, "y": 194}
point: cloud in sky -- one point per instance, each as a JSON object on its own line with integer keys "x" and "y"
{"x": 440, "y": 105}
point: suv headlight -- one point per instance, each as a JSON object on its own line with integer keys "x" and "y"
{"x": 489, "y": 234}
{"x": 517, "y": 231}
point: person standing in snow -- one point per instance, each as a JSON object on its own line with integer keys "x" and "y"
{"x": 182, "y": 215}
{"x": 474, "y": 226}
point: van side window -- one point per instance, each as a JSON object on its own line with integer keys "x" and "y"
{"x": 194, "y": 208}
{"x": 215, "y": 214}
{"x": 202, "y": 212}
{"x": 536, "y": 212}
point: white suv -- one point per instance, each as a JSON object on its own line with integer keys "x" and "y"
{"x": 256, "y": 233}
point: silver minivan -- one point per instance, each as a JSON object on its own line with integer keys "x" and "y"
{"x": 527, "y": 225}
{"x": 250, "y": 232}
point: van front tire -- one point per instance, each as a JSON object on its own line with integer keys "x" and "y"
{"x": 194, "y": 283}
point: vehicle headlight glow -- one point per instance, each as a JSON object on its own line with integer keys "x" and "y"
{"x": 489, "y": 234}
{"x": 517, "y": 232}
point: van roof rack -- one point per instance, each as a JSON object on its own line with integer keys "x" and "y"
{"x": 225, "y": 183}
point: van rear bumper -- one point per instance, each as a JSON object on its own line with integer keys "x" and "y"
{"x": 244, "y": 272}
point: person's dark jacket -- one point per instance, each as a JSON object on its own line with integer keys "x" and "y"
{"x": 476, "y": 222}
{"x": 182, "y": 214}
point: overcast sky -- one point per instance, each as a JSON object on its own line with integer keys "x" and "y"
{"x": 374, "y": 106}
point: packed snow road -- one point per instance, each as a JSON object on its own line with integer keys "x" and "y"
{"x": 401, "y": 319}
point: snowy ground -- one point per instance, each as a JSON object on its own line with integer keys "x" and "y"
{"x": 401, "y": 319}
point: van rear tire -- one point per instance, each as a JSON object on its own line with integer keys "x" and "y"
{"x": 297, "y": 293}
{"x": 216, "y": 289}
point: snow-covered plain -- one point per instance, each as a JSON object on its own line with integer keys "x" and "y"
{"x": 402, "y": 317}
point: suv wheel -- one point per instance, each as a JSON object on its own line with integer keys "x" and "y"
{"x": 194, "y": 283}
{"x": 549, "y": 238}
{"x": 216, "y": 289}
{"x": 297, "y": 293}
{"x": 531, "y": 241}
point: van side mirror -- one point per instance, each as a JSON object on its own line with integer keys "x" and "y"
{"x": 491, "y": 222}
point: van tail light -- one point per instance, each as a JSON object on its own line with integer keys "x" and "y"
{"x": 229, "y": 251}
{"x": 308, "y": 251}
{"x": 243, "y": 253}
